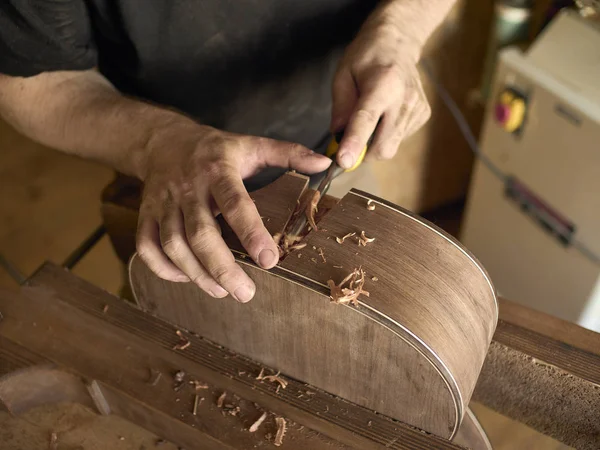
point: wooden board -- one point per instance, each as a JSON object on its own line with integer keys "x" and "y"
{"x": 428, "y": 321}
{"x": 544, "y": 372}
{"x": 92, "y": 341}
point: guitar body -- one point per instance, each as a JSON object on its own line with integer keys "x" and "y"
{"x": 411, "y": 350}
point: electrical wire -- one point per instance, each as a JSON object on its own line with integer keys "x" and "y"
{"x": 465, "y": 129}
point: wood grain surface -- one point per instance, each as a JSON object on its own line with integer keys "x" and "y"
{"x": 428, "y": 321}
{"x": 122, "y": 344}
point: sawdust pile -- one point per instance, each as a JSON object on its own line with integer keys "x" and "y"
{"x": 349, "y": 289}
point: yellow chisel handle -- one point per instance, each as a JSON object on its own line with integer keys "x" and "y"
{"x": 334, "y": 145}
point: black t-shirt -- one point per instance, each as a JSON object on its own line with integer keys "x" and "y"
{"x": 261, "y": 67}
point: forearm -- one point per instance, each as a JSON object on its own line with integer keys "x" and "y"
{"x": 83, "y": 114}
{"x": 410, "y": 21}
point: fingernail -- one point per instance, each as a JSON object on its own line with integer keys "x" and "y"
{"x": 182, "y": 279}
{"x": 267, "y": 258}
{"x": 218, "y": 292}
{"x": 244, "y": 294}
{"x": 346, "y": 160}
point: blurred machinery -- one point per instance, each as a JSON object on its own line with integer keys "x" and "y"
{"x": 533, "y": 211}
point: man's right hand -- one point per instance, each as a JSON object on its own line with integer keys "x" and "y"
{"x": 192, "y": 175}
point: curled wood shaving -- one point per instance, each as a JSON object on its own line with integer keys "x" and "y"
{"x": 272, "y": 378}
{"x": 287, "y": 244}
{"x": 281, "y": 429}
{"x": 370, "y": 205}
{"x": 349, "y": 288}
{"x": 364, "y": 240}
{"x": 312, "y": 208}
{"x": 258, "y": 423}
{"x": 221, "y": 399}
{"x": 343, "y": 238}
{"x": 322, "y": 255}
{"x": 183, "y": 342}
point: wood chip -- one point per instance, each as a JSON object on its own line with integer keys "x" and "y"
{"x": 258, "y": 423}
{"x": 374, "y": 279}
{"x": 155, "y": 376}
{"x": 314, "y": 260}
{"x": 53, "y": 443}
{"x": 370, "y": 205}
{"x": 272, "y": 378}
{"x": 312, "y": 208}
{"x": 338, "y": 267}
{"x": 183, "y": 342}
{"x": 105, "y": 309}
{"x": 221, "y": 399}
{"x": 364, "y": 240}
{"x": 322, "y": 255}
{"x": 197, "y": 401}
{"x": 343, "y": 238}
{"x": 281, "y": 429}
{"x": 198, "y": 385}
{"x": 349, "y": 288}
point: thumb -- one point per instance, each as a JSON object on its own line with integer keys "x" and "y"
{"x": 292, "y": 156}
{"x": 344, "y": 98}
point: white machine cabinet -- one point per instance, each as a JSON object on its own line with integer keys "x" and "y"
{"x": 542, "y": 129}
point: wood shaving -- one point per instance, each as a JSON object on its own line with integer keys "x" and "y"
{"x": 258, "y": 423}
{"x": 314, "y": 260}
{"x": 197, "y": 401}
{"x": 281, "y": 429}
{"x": 178, "y": 379}
{"x": 322, "y": 255}
{"x": 287, "y": 244}
{"x": 53, "y": 443}
{"x": 338, "y": 267}
{"x": 343, "y": 238}
{"x": 221, "y": 399}
{"x": 312, "y": 209}
{"x": 155, "y": 376}
{"x": 370, "y": 205}
{"x": 349, "y": 288}
{"x": 105, "y": 309}
{"x": 374, "y": 279}
{"x": 183, "y": 342}
{"x": 198, "y": 385}
{"x": 272, "y": 378}
{"x": 364, "y": 240}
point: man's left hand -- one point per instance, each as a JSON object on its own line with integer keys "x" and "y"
{"x": 377, "y": 88}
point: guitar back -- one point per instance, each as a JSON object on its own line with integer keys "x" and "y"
{"x": 412, "y": 350}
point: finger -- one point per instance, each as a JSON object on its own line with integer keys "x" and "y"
{"x": 344, "y": 97}
{"x": 384, "y": 142}
{"x": 150, "y": 251}
{"x": 364, "y": 119}
{"x": 272, "y": 153}
{"x": 207, "y": 244}
{"x": 241, "y": 214}
{"x": 409, "y": 115}
{"x": 175, "y": 245}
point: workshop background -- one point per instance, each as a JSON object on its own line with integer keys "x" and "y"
{"x": 50, "y": 203}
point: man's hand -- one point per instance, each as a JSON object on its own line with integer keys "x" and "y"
{"x": 377, "y": 86}
{"x": 190, "y": 178}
